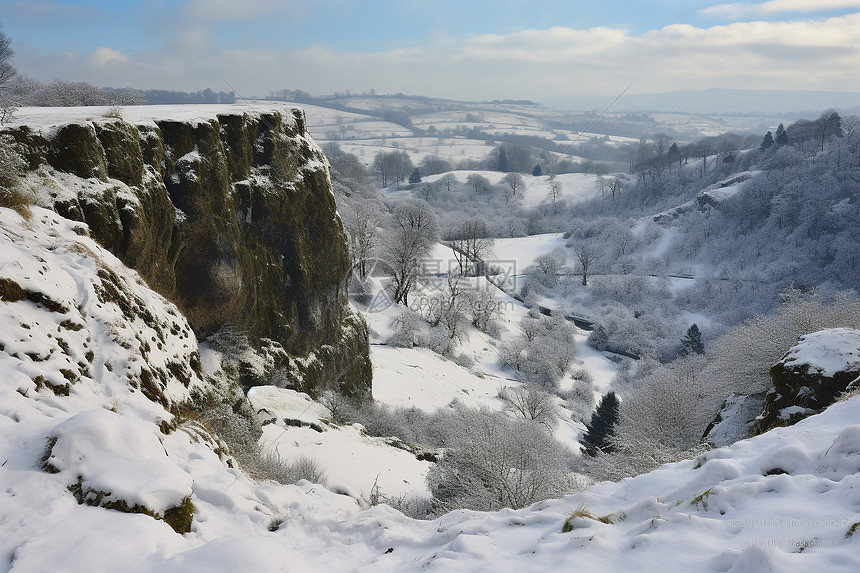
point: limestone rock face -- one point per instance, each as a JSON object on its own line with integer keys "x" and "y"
{"x": 811, "y": 376}
{"x": 232, "y": 218}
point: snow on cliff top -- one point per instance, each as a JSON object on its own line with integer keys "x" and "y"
{"x": 827, "y": 351}
{"x": 136, "y": 114}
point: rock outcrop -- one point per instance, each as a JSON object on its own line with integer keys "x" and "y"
{"x": 231, "y": 218}
{"x": 811, "y": 376}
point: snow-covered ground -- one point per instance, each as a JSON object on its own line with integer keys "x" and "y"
{"x": 784, "y": 501}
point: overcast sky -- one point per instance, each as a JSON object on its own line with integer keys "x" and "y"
{"x": 460, "y": 49}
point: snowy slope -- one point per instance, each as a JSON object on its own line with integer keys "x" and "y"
{"x": 788, "y": 500}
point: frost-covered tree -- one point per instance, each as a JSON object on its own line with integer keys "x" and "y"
{"x": 492, "y": 461}
{"x": 555, "y": 189}
{"x": 479, "y": 182}
{"x": 470, "y": 241}
{"x": 544, "y": 353}
{"x": 546, "y": 269}
{"x": 413, "y": 228}
{"x": 531, "y": 403}
{"x": 515, "y": 186}
{"x": 361, "y": 223}
{"x": 448, "y": 181}
{"x": 586, "y": 257}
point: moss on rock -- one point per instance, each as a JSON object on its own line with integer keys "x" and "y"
{"x": 123, "y": 156}
{"x": 76, "y": 149}
{"x": 233, "y": 220}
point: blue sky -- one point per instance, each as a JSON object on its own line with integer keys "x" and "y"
{"x": 458, "y": 49}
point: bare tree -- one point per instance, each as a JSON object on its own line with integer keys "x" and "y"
{"x": 7, "y": 74}
{"x": 610, "y": 186}
{"x": 532, "y": 403}
{"x": 586, "y": 257}
{"x": 481, "y": 183}
{"x": 362, "y": 229}
{"x": 7, "y": 70}
{"x": 434, "y": 164}
{"x": 453, "y": 312}
{"x": 414, "y": 229}
{"x": 392, "y": 167}
{"x": 515, "y": 184}
{"x": 449, "y": 181}
{"x": 470, "y": 240}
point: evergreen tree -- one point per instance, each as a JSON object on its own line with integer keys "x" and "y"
{"x": 767, "y": 143}
{"x": 691, "y": 343}
{"x": 415, "y": 178}
{"x": 674, "y": 154}
{"x": 602, "y": 426}
{"x": 537, "y": 171}
{"x": 781, "y": 136}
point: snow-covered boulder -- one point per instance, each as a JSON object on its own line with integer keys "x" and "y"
{"x": 120, "y": 463}
{"x": 810, "y": 376}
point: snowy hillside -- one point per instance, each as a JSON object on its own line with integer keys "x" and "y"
{"x": 784, "y": 501}
{"x": 108, "y": 447}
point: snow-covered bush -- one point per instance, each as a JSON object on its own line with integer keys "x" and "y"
{"x": 742, "y": 358}
{"x": 12, "y": 165}
{"x": 492, "y": 461}
{"x": 547, "y": 269}
{"x": 531, "y": 403}
{"x": 544, "y": 352}
{"x": 406, "y": 330}
{"x": 290, "y": 472}
{"x": 580, "y": 397}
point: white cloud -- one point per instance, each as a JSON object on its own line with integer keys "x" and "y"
{"x": 741, "y": 10}
{"x": 103, "y": 56}
{"x": 534, "y": 64}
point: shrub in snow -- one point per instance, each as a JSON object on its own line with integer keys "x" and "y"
{"x": 12, "y": 165}
{"x": 580, "y": 397}
{"x": 544, "y": 352}
{"x": 665, "y": 408}
{"x": 492, "y": 461}
{"x": 531, "y": 403}
{"x": 290, "y": 472}
{"x": 406, "y": 329}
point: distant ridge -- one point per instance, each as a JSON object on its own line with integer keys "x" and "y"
{"x": 720, "y": 100}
